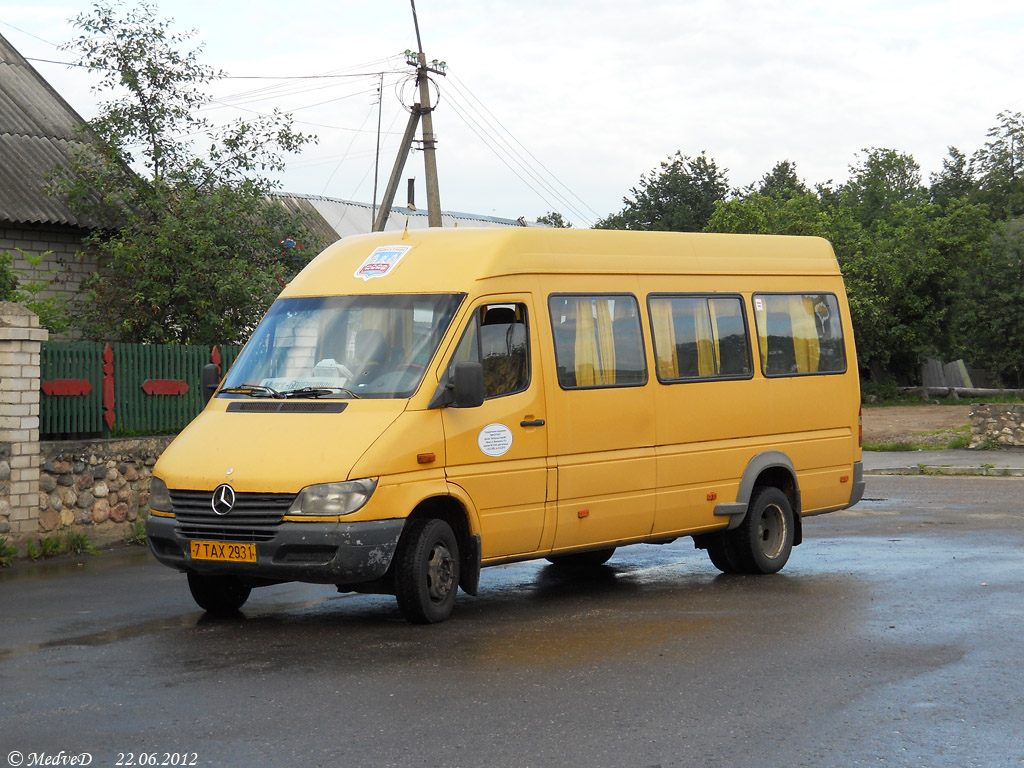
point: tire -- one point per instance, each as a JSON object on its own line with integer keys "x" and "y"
{"x": 427, "y": 571}
{"x": 721, "y": 554}
{"x": 590, "y": 559}
{"x": 220, "y": 595}
{"x": 764, "y": 540}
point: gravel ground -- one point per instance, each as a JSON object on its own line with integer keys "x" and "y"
{"x": 904, "y": 422}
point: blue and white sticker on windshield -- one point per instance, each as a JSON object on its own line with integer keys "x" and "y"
{"x": 383, "y": 259}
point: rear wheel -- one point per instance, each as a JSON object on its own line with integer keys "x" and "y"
{"x": 220, "y": 595}
{"x": 427, "y": 571}
{"x": 590, "y": 559}
{"x": 764, "y": 540}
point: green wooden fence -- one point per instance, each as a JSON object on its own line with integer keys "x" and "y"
{"x": 92, "y": 389}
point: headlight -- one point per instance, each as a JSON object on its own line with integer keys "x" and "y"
{"x": 159, "y": 498}
{"x": 333, "y": 498}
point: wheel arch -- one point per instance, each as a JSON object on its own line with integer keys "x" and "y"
{"x": 772, "y": 469}
{"x": 454, "y": 512}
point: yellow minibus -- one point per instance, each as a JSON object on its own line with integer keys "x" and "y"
{"x": 416, "y": 406}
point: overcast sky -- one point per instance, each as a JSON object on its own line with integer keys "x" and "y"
{"x": 591, "y": 94}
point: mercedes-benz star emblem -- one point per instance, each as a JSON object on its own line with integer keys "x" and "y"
{"x": 223, "y": 499}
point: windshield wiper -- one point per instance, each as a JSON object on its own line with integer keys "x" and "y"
{"x": 253, "y": 390}
{"x": 314, "y": 392}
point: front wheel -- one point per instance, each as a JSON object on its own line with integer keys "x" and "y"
{"x": 427, "y": 571}
{"x": 221, "y": 595}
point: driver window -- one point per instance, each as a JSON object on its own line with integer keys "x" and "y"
{"x": 496, "y": 337}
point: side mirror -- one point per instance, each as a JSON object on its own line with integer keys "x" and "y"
{"x": 468, "y": 385}
{"x": 211, "y": 380}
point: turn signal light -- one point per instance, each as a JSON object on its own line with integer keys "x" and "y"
{"x": 712, "y": 496}
{"x": 425, "y": 458}
{"x": 583, "y": 513}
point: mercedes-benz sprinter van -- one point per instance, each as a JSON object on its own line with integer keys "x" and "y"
{"x": 417, "y": 406}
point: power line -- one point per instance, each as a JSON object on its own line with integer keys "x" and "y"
{"x": 459, "y": 85}
{"x": 497, "y": 154}
{"x": 500, "y": 146}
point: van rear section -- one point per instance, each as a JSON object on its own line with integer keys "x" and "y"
{"x": 416, "y": 407}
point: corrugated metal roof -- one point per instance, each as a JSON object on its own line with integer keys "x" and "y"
{"x": 335, "y": 219}
{"x": 37, "y": 131}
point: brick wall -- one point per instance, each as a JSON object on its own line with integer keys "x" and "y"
{"x": 20, "y": 339}
{"x": 64, "y": 242}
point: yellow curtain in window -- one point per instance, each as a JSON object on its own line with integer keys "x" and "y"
{"x": 606, "y": 342}
{"x": 806, "y": 347}
{"x": 587, "y": 357}
{"x": 705, "y": 347}
{"x": 665, "y": 339}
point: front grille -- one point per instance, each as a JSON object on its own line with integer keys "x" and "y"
{"x": 227, "y": 533}
{"x": 250, "y": 510}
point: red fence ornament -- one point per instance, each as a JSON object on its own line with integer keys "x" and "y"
{"x": 108, "y": 386}
{"x": 164, "y": 387}
{"x": 66, "y": 387}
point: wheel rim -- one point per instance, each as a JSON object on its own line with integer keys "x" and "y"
{"x": 440, "y": 572}
{"x": 772, "y": 531}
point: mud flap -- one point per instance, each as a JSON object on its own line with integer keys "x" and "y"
{"x": 469, "y": 571}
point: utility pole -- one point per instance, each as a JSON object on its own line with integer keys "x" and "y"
{"x": 421, "y": 110}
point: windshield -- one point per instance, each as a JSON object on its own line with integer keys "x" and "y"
{"x": 342, "y": 346}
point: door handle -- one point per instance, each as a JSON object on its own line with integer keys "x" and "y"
{"x": 533, "y": 423}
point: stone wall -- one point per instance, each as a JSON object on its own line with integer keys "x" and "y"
{"x": 96, "y": 487}
{"x": 1000, "y": 424}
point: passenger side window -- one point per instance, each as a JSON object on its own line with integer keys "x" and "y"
{"x": 497, "y": 338}
{"x": 598, "y": 341}
{"x": 799, "y": 334}
{"x": 697, "y": 337}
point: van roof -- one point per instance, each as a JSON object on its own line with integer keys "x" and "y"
{"x": 450, "y": 260}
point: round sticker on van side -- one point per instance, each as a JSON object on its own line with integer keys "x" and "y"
{"x": 495, "y": 439}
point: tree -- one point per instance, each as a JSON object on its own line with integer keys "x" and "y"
{"x": 990, "y": 323}
{"x": 679, "y": 196}
{"x": 782, "y": 181}
{"x": 191, "y": 250}
{"x": 1001, "y": 166}
{"x": 554, "y": 219}
{"x": 879, "y": 182}
{"x": 954, "y": 182}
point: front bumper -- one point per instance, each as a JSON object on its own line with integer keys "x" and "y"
{"x": 319, "y": 553}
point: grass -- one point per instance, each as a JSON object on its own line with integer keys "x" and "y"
{"x": 52, "y": 546}
{"x": 7, "y": 553}
{"x": 137, "y": 533}
{"x": 889, "y": 399}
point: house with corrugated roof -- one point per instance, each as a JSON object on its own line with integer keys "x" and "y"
{"x": 38, "y": 129}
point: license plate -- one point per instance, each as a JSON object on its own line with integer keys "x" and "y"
{"x": 224, "y": 551}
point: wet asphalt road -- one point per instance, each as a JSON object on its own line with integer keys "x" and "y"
{"x": 894, "y": 637}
